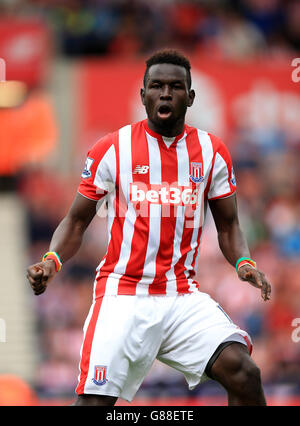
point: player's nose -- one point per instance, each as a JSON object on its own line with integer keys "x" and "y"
{"x": 166, "y": 92}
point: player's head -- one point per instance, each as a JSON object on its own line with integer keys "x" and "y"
{"x": 167, "y": 89}
{"x": 169, "y": 56}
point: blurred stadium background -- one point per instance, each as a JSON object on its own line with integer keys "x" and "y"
{"x": 83, "y": 63}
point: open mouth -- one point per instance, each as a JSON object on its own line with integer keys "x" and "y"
{"x": 164, "y": 111}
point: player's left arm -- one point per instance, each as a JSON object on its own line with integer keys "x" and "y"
{"x": 233, "y": 243}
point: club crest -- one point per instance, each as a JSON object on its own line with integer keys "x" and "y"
{"x": 196, "y": 175}
{"x": 100, "y": 375}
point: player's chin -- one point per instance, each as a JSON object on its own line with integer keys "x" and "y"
{"x": 165, "y": 120}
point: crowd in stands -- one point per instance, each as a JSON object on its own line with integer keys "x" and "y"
{"x": 225, "y": 28}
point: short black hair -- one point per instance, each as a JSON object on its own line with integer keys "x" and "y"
{"x": 169, "y": 56}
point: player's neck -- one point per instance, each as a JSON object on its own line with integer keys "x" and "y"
{"x": 168, "y": 131}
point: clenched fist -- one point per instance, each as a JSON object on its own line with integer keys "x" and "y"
{"x": 40, "y": 274}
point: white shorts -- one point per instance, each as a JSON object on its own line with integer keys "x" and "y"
{"x": 123, "y": 335}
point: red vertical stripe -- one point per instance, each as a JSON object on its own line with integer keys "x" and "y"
{"x": 249, "y": 344}
{"x": 135, "y": 265}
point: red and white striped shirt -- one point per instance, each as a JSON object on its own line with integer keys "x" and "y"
{"x": 156, "y": 190}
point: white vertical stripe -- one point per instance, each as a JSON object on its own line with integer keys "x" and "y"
{"x": 111, "y": 213}
{"x": 207, "y": 153}
{"x": 183, "y": 162}
{"x": 110, "y": 180}
{"x": 220, "y": 178}
{"x": 125, "y": 160}
{"x": 112, "y": 284}
{"x": 128, "y": 230}
{"x": 105, "y": 176}
{"x": 154, "y": 219}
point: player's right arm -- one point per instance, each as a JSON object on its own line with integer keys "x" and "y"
{"x": 66, "y": 241}
{"x": 97, "y": 180}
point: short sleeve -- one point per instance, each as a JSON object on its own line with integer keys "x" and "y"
{"x": 99, "y": 173}
{"x": 223, "y": 183}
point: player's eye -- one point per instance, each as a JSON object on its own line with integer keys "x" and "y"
{"x": 177, "y": 86}
{"x": 155, "y": 85}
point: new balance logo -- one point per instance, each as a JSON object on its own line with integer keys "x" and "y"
{"x": 141, "y": 170}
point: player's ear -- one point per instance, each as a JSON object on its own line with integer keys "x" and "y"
{"x": 191, "y": 97}
{"x": 143, "y": 96}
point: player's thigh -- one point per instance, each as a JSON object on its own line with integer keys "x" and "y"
{"x": 195, "y": 329}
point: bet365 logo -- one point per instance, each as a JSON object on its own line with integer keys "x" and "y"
{"x": 2, "y": 331}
